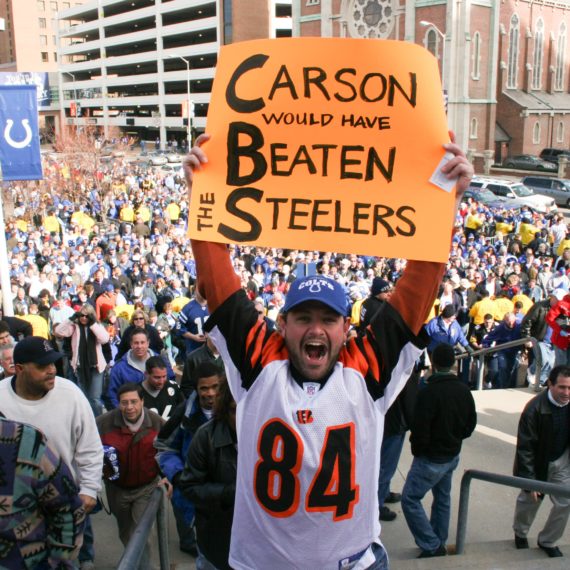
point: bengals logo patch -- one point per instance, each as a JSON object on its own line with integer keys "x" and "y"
{"x": 305, "y": 416}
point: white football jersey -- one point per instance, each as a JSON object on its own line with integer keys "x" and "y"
{"x": 308, "y": 458}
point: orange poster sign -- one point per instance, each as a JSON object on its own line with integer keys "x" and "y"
{"x": 325, "y": 144}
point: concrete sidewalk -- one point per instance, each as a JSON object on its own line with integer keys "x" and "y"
{"x": 489, "y": 529}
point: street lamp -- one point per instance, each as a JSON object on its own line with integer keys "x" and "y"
{"x": 74, "y": 89}
{"x": 427, "y": 24}
{"x": 189, "y": 101}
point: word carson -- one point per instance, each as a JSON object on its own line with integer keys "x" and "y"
{"x": 345, "y": 161}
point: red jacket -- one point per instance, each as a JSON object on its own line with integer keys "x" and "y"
{"x": 555, "y": 318}
{"x": 136, "y": 452}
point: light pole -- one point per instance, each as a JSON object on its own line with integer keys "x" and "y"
{"x": 427, "y": 24}
{"x": 190, "y": 111}
{"x": 74, "y": 89}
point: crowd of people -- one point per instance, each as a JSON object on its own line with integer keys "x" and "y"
{"x": 102, "y": 271}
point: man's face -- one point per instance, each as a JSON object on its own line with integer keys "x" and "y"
{"x": 7, "y": 361}
{"x": 139, "y": 345}
{"x": 35, "y": 380}
{"x": 385, "y": 295}
{"x": 510, "y": 320}
{"x": 561, "y": 390}
{"x": 156, "y": 378}
{"x": 131, "y": 406}
{"x": 314, "y": 335}
{"x": 208, "y": 389}
{"x": 5, "y": 338}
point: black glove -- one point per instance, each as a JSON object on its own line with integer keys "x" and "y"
{"x": 75, "y": 318}
{"x": 90, "y": 320}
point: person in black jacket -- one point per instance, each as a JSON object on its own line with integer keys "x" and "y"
{"x": 444, "y": 415}
{"x": 543, "y": 454}
{"x": 380, "y": 291}
{"x": 534, "y": 324}
{"x": 206, "y": 353}
{"x": 209, "y": 480}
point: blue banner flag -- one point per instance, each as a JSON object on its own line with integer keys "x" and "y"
{"x": 19, "y": 134}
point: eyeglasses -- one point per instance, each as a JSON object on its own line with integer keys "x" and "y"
{"x": 138, "y": 318}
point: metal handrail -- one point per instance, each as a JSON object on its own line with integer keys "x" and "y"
{"x": 506, "y": 480}
{"x": 135, "y": 549}
{"x": 485, "y": 351}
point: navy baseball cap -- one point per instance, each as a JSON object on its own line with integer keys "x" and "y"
{"x": 37, "y": 350}
{"x": 317, "y": 288}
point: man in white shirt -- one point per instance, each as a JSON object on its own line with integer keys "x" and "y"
{"x": 57, "y": 407}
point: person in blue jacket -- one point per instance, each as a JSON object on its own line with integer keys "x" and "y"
{"x": 174, "y": 440}
{"x": 132, "y": 366}
{"x": 446, "y": 330}
{"x": 502, "y": 367}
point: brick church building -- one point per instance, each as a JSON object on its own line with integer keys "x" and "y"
{"x": 504, "y": 63}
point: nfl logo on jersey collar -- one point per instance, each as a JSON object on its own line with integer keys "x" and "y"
{"x": 316, "y": 288}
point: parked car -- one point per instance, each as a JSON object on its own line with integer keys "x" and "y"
{"x": 487, "y": 198}
{"x": 158, "y": 158}
{"x": 557, "y": 188}
{"x": 529, "y": 162}
{"x": 517, "y": 192}
{"x": 552, "y": 154}
{"x": 174, "y": 157}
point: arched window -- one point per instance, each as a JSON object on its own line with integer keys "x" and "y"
{"x": 538, "y": 53}
{"x": 560, "y": 51}
{"x": 560, "y": 132}
{"x": 536, "y": 133}
{"x": 432, "y": 42}
{"x": 476, "y": 56}
{"x": 473, "y": 129}
{"x": 513, "y": 55}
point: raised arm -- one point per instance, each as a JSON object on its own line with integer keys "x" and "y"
{"x": 217, "y": 279}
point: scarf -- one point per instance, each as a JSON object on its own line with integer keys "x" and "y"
{"x": 87, "y": 355}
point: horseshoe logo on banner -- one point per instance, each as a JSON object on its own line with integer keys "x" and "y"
{"x": 18, "y": 144}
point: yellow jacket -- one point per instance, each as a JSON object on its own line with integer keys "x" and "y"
{"x": 480, "y": 309}
{"x": 39, "y": 325}
{"x": 526, "y": 232}
{"x": 502, "y": 307}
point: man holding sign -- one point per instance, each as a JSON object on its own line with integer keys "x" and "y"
{"x": 311, "y": 405}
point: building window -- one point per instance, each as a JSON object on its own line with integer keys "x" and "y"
{"x": 560, "y": 132}
{"x": 431, "y": 42}
{"x": 538, "y": 53}
{"x": 513, "y": 55}
{"x": 43, "y": 41}
{"x": 65, "y": 6}
{"x": 45, "y": 57}
{"x": 53, "y": 6}
{"x": 560, "y": 51}
{"x": 54, "y": 56}
{"x": 371, "y": 18}
{"x": 313, "y": 2}
{"x": 54, "y": 40}
{"x": 473, "y": 129}
{"x": 42, "y": 22}
{"x": 476, "y": 63}
{"x": 41, "y": 5}
{"x": 536, "y": 133}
